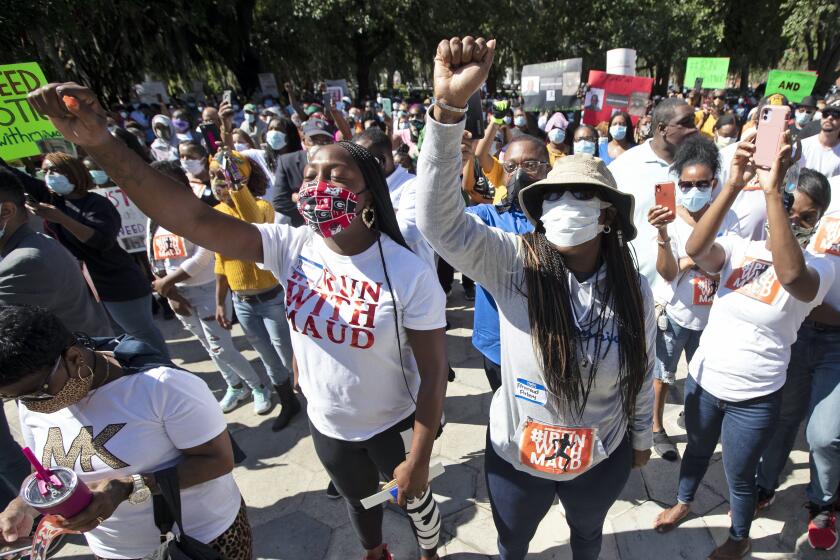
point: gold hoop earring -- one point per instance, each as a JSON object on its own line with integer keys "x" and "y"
{"x": 368, "y": 217}
{"x": 79, "y": 370}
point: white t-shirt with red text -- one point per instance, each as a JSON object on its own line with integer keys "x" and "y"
{"x": 826, "y": 243}
{"x": 341, "y": 318}
{"x": 745, "y": 348}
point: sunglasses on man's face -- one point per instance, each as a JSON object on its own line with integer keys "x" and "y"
{"x": 703, "y": 185}
{"x": 831, "y": 113}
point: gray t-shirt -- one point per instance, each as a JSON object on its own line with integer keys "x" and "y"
{"x": 526, "y": 428}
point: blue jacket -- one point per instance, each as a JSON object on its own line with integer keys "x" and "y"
{"x": 485, "y": 336}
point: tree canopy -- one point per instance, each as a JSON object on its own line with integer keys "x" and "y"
{"x": 112, "y": 45}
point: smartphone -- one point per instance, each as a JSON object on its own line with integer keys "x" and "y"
{"x": 226, "y": 97}
{"x": 475, "y": 117}
{"x": 326, "y": 99}
{"x": 698, "y": 84}
{"x": 772, "y": 123}
{"x": 665, "y": 196}
{"x": 212, "y": 136}
{"x": 18, "y": 549}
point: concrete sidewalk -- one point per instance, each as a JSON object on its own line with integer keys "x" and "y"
{"x": 283, "y": 483}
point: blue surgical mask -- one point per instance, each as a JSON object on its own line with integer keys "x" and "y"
{"x": 520, "y": 121}
{"x": 695, "y": 199}
{"x": 618, "y": 132}
{"x": 556, "y": 135}
{"x": 99, "y": 177}
{"x": 584, "y": 147}
{"x": 241, "y": 147}
{"x": 59, "y": 184}
{"x": 803, "y": 118}
{"x": 275, "y": 139}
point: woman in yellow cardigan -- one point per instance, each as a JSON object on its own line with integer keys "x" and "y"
{"x": 258, "y": 297}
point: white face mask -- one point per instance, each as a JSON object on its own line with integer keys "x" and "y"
{"x": 723, "y": 141}
{"x": 569, "y": 222}
{"x": 310, "y": 151}
{"x": 241, "y": 147}
{"x": 584, "y": 147}
{"x": 192, "y": 166}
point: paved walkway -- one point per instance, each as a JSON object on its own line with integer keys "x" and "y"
{"x": 283, "y": 484}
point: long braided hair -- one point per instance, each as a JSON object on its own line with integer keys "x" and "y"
{"x": 386, "y": 219}
{"x": 557, "y": 335}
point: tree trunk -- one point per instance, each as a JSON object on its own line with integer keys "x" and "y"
{"x": 363, "y": 63}
{"x": 745, "y": 77}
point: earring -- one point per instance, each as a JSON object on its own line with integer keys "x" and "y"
{"x": 607, "y": 229}
{"x": 620, "y": 235}
{"x": 368, "y": 217}
{"x": 79, "y": 370}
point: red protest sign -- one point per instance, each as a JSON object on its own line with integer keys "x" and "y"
{"x": 610, "y": 93}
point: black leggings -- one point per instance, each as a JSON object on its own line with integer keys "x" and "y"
{"x": 355, "y": 468}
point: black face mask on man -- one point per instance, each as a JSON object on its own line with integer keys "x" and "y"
{"x": 518, "y": 181}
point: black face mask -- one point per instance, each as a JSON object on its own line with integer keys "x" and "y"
{"x": 517, "y": 182}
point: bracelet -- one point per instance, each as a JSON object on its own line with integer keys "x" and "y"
{"x": 663, "y": 243}
{"x": 450, "y": 108}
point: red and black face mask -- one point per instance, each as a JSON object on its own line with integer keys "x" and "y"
{"x": 327, "y": 208}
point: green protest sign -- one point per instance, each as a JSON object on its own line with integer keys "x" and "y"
{"x": 20, "y": 126}
{"x": 793, "y": 84}
{"x": 714, "y": 72}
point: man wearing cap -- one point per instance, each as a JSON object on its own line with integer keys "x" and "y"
{"x": 640, "y": 168}
{"x": 254, "y": 127}
{"x": 803, "y": 115}
{"x": 289, "y": 174}
{"x": 822, "y": 152}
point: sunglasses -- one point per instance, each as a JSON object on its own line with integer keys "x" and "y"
{"x": 530, "y": 166}
{"x": 831, "y": 113}
{"x": 703, "y": 185}
{"x": 40, "y": 393}
{"x": 578, "y": 194}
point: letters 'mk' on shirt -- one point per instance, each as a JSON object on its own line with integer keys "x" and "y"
{"x": 138, "y": 424}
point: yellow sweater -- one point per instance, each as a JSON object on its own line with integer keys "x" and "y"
{"x": 246, "y": 276}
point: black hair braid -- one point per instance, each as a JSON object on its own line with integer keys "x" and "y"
{"x": 386, "y": 219}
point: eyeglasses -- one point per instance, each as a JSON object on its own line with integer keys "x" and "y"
{"x": 40, "y": 393}
{"x": 831, "y": 113}
{"x": 530, "y": 166}
{"x": 578, "y": 194}
{"x": 703, "y": 185}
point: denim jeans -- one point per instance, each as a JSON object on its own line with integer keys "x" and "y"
{"x": 134, "y": 317}
{"x": 670, "y": 344}
{"x": 13, "y": 465}
{"x": 266, "y": 329}
{"x": 217, "y": 341}
{"x": 813, "y": 389}
{"x": 520, "y": 501}
{"x": 744, "y": 429}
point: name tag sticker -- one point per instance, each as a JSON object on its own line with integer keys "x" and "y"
{"x": 530, "y": 391}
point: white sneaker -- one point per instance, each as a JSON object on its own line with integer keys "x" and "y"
{"x": 262, "y": 400}
{"x": 233, "y": 397}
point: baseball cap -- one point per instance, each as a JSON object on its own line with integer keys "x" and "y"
{"x": 313, "y": 127}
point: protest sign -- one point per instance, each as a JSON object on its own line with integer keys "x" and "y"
{"x": 795, "y": 85}
{"x": 339, "y": 88}
{"x": 132, "y": 234}
{"x": 551, "y": 86}
{"x": 20, "y": 126}
{"x": 149, "y": 91}
{"x": 610, "y": 93}
{"x": 268, "y": 84}
{"x": 714, "y": 71}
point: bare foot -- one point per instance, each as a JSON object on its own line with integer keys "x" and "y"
{"x": 669, "y": 518}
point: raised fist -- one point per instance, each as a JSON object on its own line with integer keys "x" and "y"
{"x": 461, "y": 66}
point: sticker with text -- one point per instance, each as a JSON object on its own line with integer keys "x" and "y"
{"x": 704, "y": 289}
{"x": 530, "y": 391}
{"x": 556, "y": 449}
{"x": 169, "y": 246}
{"x": 756, "y": 279}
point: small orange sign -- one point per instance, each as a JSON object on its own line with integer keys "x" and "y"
{"x": 704, "y": 289}
{"x": 556, "y": 449}
{"x": 169, "y": 246}
{"x": 755, "y": 278}
{"x": 827, "y": 240}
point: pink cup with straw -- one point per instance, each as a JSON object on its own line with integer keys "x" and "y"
{"x": 56, "y": 491}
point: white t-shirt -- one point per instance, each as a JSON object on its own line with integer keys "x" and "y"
{"x": 395, "y": 181}
{"x": 135, "y": 425}
{"x": 341, "y": 317}
{"x": 407, "y": 220}
{"x": 692, "y": 291}
{"x": 834, "y": 182}
{"x": 745, "y": 347}
{"x": 826, "y": 243}
{"x": 170, "y": 251}
{"x": 819, "y": 158}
